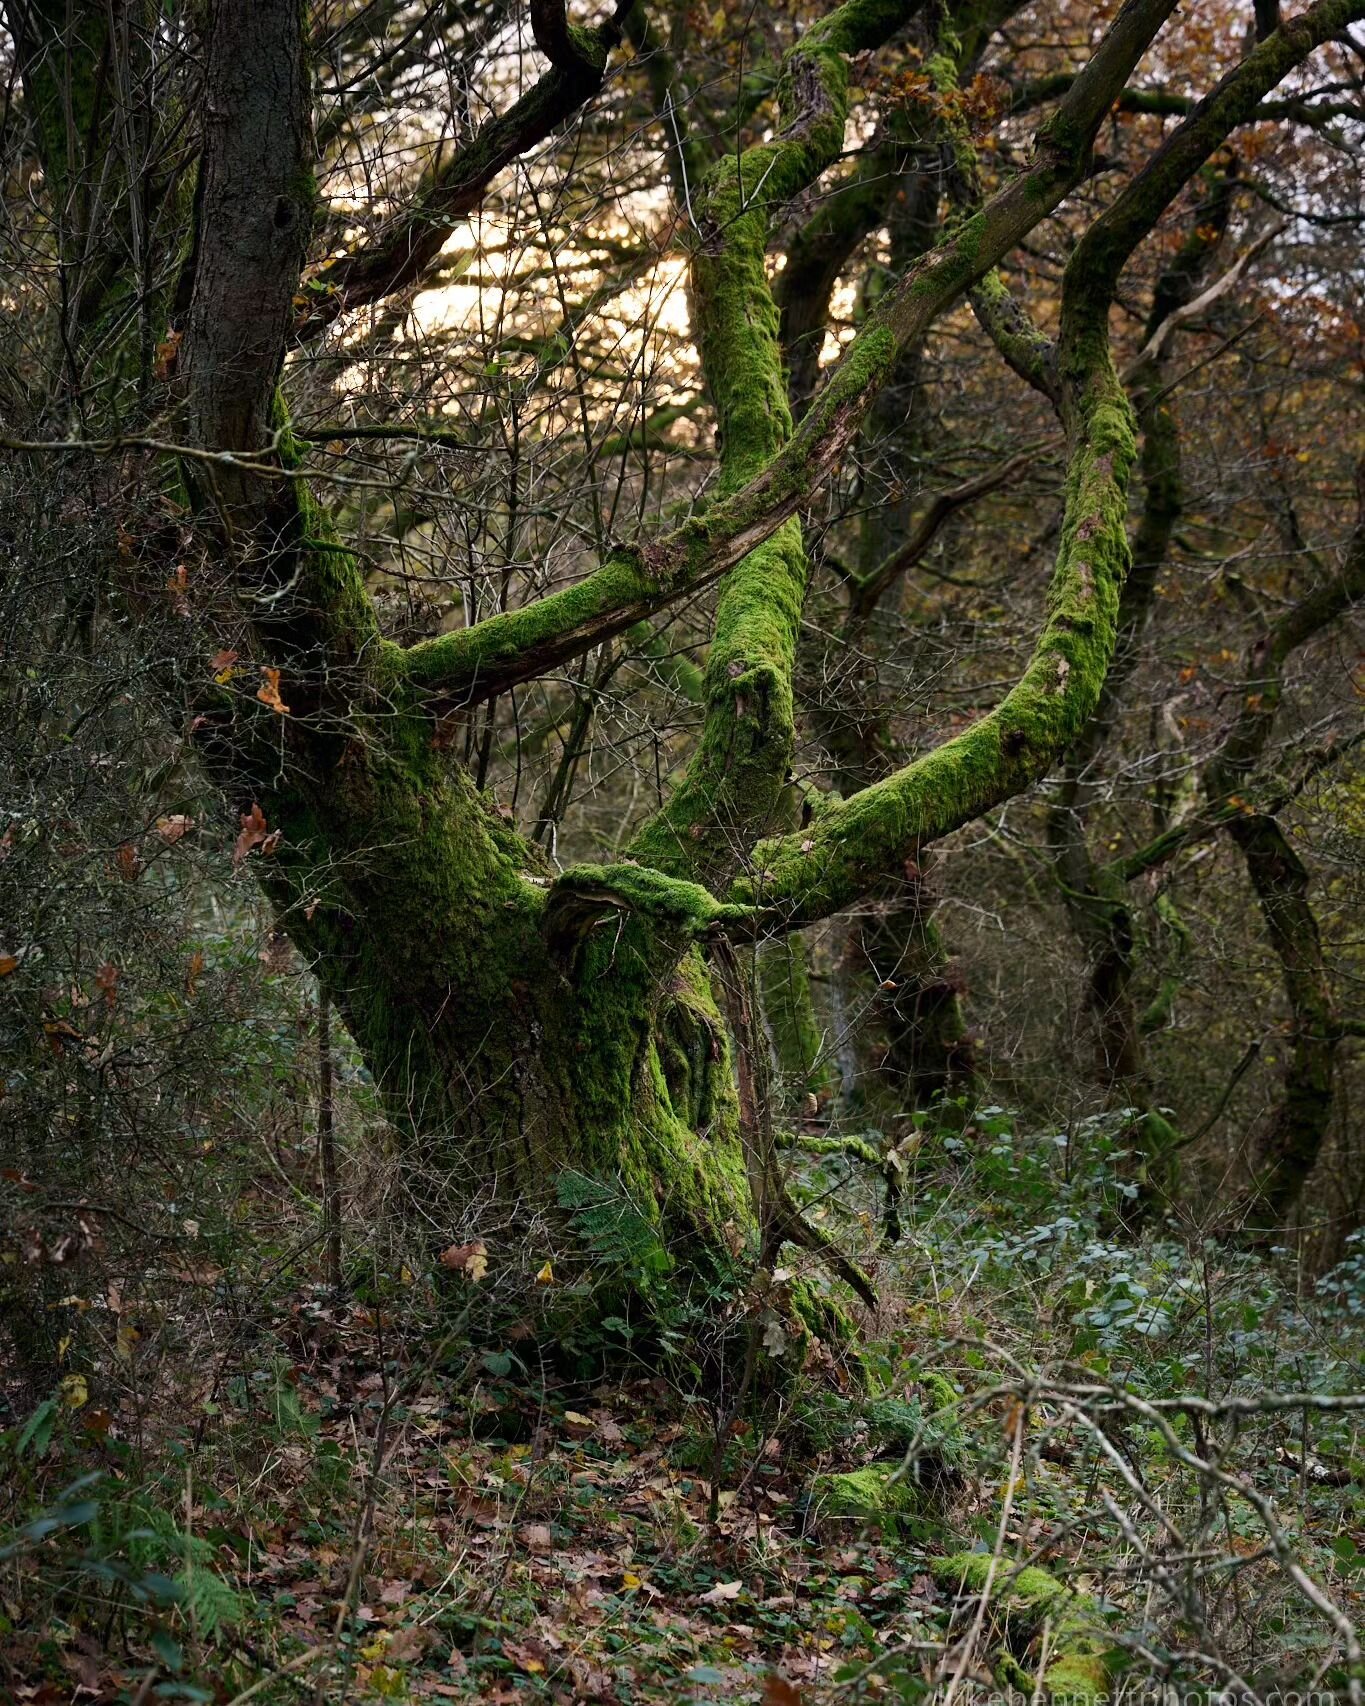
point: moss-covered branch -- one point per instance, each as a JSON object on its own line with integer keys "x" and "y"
{"x": 475, "y": 663}
{"x": 804, "y": 877}
{"x": 808, "y": 876}
{"x": 1096, "y": 899}
{"x": 1032, "y": 1603}
{"x": 584, "y": 895}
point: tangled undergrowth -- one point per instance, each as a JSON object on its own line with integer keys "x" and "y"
{"x": 1077, "y": 1469}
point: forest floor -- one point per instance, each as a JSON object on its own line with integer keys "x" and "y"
{"x": 306, "y": 1503}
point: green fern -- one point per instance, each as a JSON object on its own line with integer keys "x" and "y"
{"x": 612, "y": 1226}
{"x": 209, "y": 1602}
{"x": 156, "y": 1541}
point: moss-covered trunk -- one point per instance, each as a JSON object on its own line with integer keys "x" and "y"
{"x": 508, "y": 1047}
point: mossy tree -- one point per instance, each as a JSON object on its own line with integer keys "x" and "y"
{"x": 525, "y": 1022}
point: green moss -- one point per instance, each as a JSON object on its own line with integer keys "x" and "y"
{"x": 809, "y": 875}
{"x": 940, "y": 1394}
{"x": 878, "y": 1496}
{"x": 590, "y": 46}
{"x": 1027, "y": 1600}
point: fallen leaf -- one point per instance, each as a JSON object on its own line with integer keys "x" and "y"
{"x": 408, "y": 1643}
{"x": 468, "y": 1259}
{"x": 774, "y": 1337}
{"x": 721, "y": 1592}
{"x": 529, "y": 1656}
{"x": 75, "y": 1393}
{"x": 171, "y": 829}
{"x": 777, "y": 1691}
{"x": 546, "y": 1276}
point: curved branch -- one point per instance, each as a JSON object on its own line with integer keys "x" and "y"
{"x": 866, "y": 591}
{"x": 801, "y": 878}
{"x": 473, "y": 663}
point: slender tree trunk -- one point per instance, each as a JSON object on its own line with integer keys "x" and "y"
{"x": 1286, "y": 1149}
{"x": 798, "y": 1044}
{"x": 331, "y": 1193}
{"x": 1096, "y": 899}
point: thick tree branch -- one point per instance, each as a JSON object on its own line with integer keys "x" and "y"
{"x": 471, "y": 664}
{"x": 804, "y": 877}
{"x": 1096, "y": 901}
{"x": 1166, "y": 103}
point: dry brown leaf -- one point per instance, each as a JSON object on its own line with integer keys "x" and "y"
{"x": 777, "y": 1691}
{"x": 468, "y": 1259}
{"x": 167, "y": 356}
{"x": 269, "y": 691}
{"x": 253, "y": 834}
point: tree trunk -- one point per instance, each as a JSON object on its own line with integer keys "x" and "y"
{"x": 512, "y": 1040}
{"x": 1287, "y": 1148}
{"x": 798, "y": 1045}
